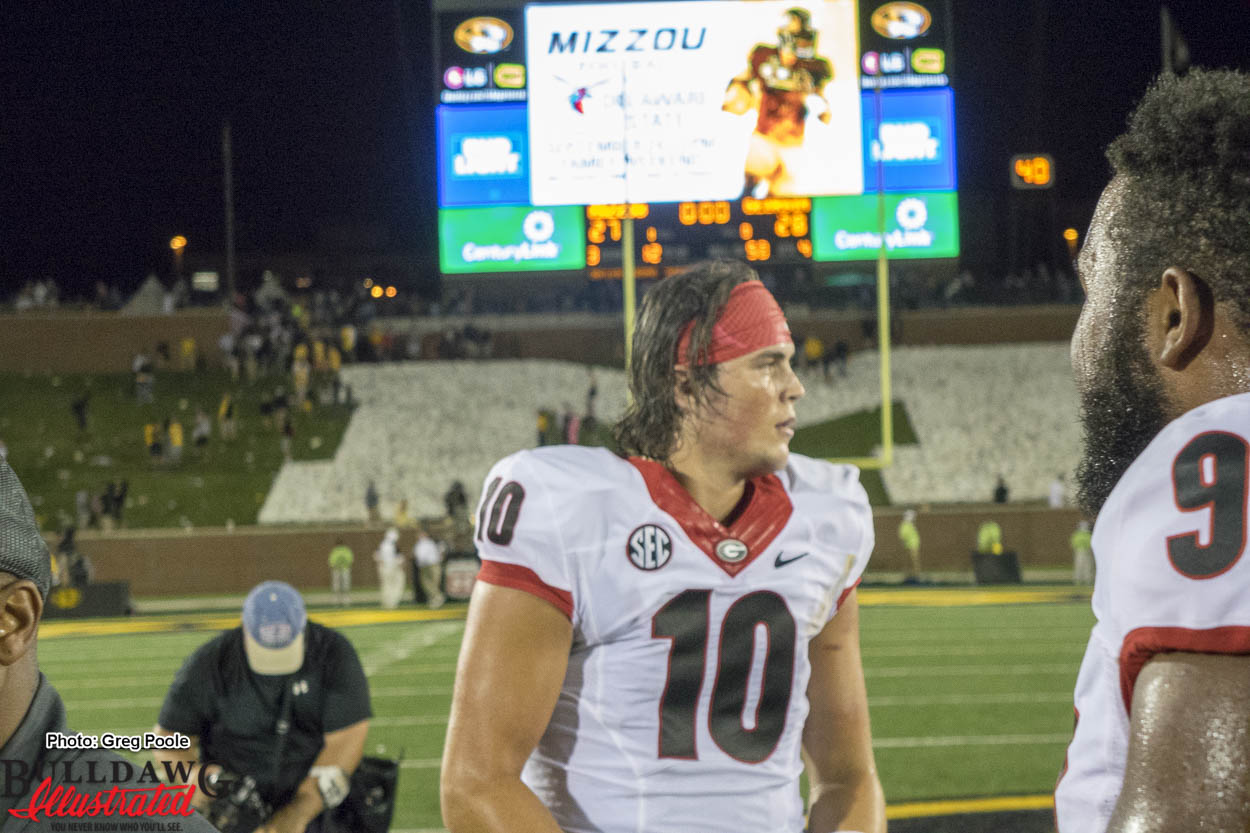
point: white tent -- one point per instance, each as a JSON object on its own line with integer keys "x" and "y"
{"x": 148, "y": 298}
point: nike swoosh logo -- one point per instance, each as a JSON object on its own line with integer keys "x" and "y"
{"x": 781, "y": 562}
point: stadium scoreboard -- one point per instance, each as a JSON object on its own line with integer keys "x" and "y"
{"x": 770, "y": 230}
{"x": 556, "y": 122}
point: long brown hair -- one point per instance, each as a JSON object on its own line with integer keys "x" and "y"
{"x": 699, "y": 294}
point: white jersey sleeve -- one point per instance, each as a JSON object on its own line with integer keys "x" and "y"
{"x": 1179, "y": 579}
{"x": 831, "y": 496}
{"x": 519, "y": 531}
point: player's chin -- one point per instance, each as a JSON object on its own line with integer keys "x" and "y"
{"x": 775, "y": 459}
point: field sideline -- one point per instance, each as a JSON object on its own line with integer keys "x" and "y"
{"x": 970, "y": 689}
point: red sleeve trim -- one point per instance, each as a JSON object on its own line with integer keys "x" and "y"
{"x": 847, "y": 592}
{"x": 523, "y": 578}
{"x": 1143, "y": 644}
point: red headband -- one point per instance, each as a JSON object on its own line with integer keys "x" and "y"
{"x": 750, "y": 321}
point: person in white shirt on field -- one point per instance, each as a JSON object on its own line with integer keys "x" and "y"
{"x": 390, "y": 569}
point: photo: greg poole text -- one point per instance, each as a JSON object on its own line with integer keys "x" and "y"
{"x": 109, "y": 740}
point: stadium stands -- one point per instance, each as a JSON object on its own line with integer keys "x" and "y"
{"x": 978, "y": 412}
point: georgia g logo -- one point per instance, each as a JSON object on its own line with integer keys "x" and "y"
{"x": 649, "y": 547}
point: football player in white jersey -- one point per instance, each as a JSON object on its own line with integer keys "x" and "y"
{"x": 1162, "y": 361}
{"x": 657, "y": 643}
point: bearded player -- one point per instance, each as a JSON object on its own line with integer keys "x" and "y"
{"x": 657, "y": 642}
{"x": 1162, "y": 361}
{"x": 785, "y": 83}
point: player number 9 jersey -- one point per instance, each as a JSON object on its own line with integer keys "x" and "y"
{"x": 1169, "y": 544}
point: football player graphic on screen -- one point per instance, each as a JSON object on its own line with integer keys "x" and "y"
{"x": 785, "y": 85}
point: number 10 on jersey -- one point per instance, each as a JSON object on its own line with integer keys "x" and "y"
{"x": 685, "y": 621}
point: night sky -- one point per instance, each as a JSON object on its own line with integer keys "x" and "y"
{"x": 111, "y": 114}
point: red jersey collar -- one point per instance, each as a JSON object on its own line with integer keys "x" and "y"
{"x": 766, "y": 511}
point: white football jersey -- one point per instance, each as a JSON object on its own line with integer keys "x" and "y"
{"x": 1168, "y": 544}
{"x": 683, "y": 706}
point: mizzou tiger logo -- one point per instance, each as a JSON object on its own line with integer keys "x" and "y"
{"x": 483, "y": 35}
{"x": 901, "y": 20}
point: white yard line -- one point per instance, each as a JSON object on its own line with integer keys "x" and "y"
{"x": 970, "y": 670}
{"x": 419, "y": 636}
{"x": 972, "y": 740}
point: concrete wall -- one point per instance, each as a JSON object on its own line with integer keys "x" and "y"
{"x": 101, "y": 342}
{"x": 171, "y": 563}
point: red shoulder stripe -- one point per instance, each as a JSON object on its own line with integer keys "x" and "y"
{"x": 523, "y": 578}
{"x": 1141, "y": 644}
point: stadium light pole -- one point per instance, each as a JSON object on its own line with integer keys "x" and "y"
{"x": 627, "y": 281}
{"x": 883, "y": 299}
{"x": 627, "y": 232}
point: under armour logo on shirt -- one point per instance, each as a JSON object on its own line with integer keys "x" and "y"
{"x": 299, "y": 687}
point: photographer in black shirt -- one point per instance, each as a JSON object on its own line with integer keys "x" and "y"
{"x": 279, "y": 700}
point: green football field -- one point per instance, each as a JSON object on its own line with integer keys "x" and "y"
{"x": 971, "y": 696}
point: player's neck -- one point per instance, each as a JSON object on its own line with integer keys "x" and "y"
{"x": 18, "y": 684}
{"x": 716, "y": 489}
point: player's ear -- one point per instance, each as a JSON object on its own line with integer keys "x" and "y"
{"x": 1181, "y": 313}
{"x": 20, "y": 607}
{"x": 683, "y": 389}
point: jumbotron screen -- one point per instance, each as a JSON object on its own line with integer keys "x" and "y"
{"x": 761, "y": 130}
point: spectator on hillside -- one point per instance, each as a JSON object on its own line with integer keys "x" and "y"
{"x": 120, "y": 490}
{"x": 1000, "y": 490}
{"x": 82, "y": 509}
{"x": 105, "y": 506}
{"x": 371, "y": 502}
{"x": 80, "y": 407}
{"x": 592, "y": 393}
{"x": 570, "y": 425}
{"x": 543, "y": 422}
{"x": 188, "y": 353}
{"x": 1058, "y": 495}
{"x": 226, "y": 422}
{"x": 202, "y": 429}
{"x": 226, "y": 346}
{"x": 252, "y": 344}
{"x": 173, "y": 430}
{"x": 841, "y": 351}
{"x": 152, "y": 440}
{"x": 456, "y": 501}
{"x": 286, "y": 427}
{"x": 301, "y": 374}
{"x": 402, "y": 519}
{"x": 347, "y": 342}
{"x": 97, "y": 511}
{"x": 145, "y": 381}
{"x": 813, "y": 352}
